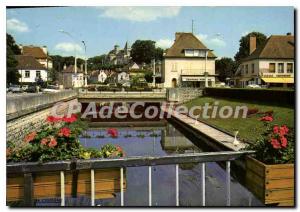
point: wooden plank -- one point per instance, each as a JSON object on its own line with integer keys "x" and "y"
{"x": 280, "y": 183}
{"x": 28, "y": 190}
{"x": 256, "y": 179}
{"x": 255, "y": 166}
{"x": 277, "y": 172}
{"x": 276, "y": 196}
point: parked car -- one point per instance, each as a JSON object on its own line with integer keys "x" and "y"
{"x": 31, "y": 89}
{"x": 253, "y": 86}
{"x": 15, "y": 89}
{"x": 51, "y": 89}
{"x": 24, "y": 87}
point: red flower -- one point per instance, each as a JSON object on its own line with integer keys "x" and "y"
{"x": 64, "y": 132}
{"x": 266, "y": 118}
{"x": 70, "y": 119}
{"x": 283, "y": 141}
{"x": 52, "y": 142}
{"x": 276, "y": 129}
{"x": 44, "y": 141}
{"x": 283, "y": 130}
{"x": 53, "y": 119}
{"x": 30, "y": 137}
{"x": 275, "y": 143}
{"x": 113, "y": 132}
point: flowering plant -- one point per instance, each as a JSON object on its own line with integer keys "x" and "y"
{"x": 56, "y": 140}
{"x": 276, "y": 145}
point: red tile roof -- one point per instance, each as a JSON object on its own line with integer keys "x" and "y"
{"x": 28, "y": 63}
{"x": 34, "y": 51}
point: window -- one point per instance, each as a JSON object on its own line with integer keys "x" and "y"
{"x": 194, "y": 53}
{"x": 252, "y": 67}
{"x": 189, "y": 52}
{"x": 174, "y": 67}
{"x": 38, "y": 74}
{"x": 246, "y": 69}
{"x": 27, "y": 74}
{"x": 272, "y": 67}
{"x": 280, "y": 68}
{"x": 289, "y": 68}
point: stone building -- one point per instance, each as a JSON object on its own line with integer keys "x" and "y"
{"x": 119, "y": 56}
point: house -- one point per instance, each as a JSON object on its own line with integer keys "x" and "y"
{"x": 188, "y": 63}
{"x": 102, "y": 76}
{"x": 123, "y": 77}
{"x": 30, "y": 69}
{"x": 119, "y": 56}
{"x": 272, "y": 64}
{"x": 39, "y": 53}
{"x": 71, "y": 78}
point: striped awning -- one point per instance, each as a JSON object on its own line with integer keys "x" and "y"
{"x": 278, "y": 79}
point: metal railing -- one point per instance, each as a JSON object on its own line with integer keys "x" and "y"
{"x": 27, "y": 169}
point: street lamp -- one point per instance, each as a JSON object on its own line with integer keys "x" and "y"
{"x": 85, "y": 64}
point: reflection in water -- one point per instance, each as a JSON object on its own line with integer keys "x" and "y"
{"x": 160, "y": 141}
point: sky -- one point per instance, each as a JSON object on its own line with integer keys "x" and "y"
{"x": 219, "y": 28}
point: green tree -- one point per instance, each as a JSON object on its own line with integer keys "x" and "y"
{"x": 143, "y": 51}
{"x": 244, "y": 44}
{"x": 159, "y": 52}
{"x": 225, "y": 67}
{"x": 12, "y": 75}
{"x": 97, "y": 62}
{"x": 149, "y": 76}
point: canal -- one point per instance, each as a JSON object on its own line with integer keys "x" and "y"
{"x": 161, "y": 139}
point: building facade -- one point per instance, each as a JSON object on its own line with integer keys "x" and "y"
{"x": 71, "y": 78}
{"x": 188, "y": 63}
{"x": 30, "y": 69}
{"x": 271, "y": 65}
{"x": 39, "y": 53}
{"x": 119, "y": 56}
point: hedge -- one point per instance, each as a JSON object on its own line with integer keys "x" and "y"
{"x": 262, "y": 95}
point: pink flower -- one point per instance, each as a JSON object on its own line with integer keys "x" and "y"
{"x": 52, "y": 142}
{"x": 266, "y": 118}
{"x": 276, "y": 129}
{"x": 30, "y": 137}
{"x": 275, "y": 143}
{"x": 283, "y": 130}
{"x": 65, "y": 131}
{"x": 44, "y": 141}
{"x": 283, "y": 141}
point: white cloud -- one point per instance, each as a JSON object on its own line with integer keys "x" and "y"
{"x": 67, "y": 48}
{"x": 164, "y": 43}
{"x": 15, "y": 25}
{"x": 139, "y": 14}
{"x": 245, "y": 33}
{"x": 214, "y": 41}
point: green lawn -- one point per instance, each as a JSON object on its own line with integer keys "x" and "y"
{"x": 249, "y": 128}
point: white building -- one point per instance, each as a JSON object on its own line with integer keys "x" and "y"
{"x": 71, "y": 78}
{"x": 30, "y": 69}
{"x": 39, "y": 53}
{"x": 102, "y": 76}
{"x": 188, "y": 63}
{"x": 272, "y": 64}
{"x": 123, "y": 77}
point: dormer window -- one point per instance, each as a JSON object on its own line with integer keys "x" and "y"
{"x": 194, "y": 53}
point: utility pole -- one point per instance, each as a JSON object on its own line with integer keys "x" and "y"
{"x": 154, "y": 72}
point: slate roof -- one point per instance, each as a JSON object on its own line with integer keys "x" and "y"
{"x": 186, "y": 41}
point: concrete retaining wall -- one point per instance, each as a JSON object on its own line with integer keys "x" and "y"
{"x": 183, "y": 94}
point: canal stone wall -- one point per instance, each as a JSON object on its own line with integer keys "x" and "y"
{"x": 182, "y": 95}
{"x": 26, "y": 114}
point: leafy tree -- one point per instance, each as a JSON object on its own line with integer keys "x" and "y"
{"x": 225, "y": 67}
{"x": 97, "y": 62}
{"x": 159, "y": 54}
{"x": 12, "y": 75}
{"x": 244, "y": 44}
{"x": 143, "y": 51}
{"x": 149, "y": 76}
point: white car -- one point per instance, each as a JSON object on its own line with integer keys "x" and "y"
{"x": 253, "y": 86}
{"x": 51, "y": 89}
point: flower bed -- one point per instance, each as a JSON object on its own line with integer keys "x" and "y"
{"x": 270, "y": 173}
{"x": 58, "y": 140}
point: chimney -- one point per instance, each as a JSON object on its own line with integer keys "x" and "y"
{"x": 289, "y": 33}
{"x": 177, "y": 34}
{"x": 44, "y": 48}
{"x": 252, "y": 44}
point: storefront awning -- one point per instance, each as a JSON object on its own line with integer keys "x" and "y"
{"x": 278, "y": 79}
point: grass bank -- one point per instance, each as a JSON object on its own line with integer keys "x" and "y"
{"x": 249, "y": 128}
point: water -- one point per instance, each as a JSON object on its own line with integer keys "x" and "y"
{"x": 167, "y": 140}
